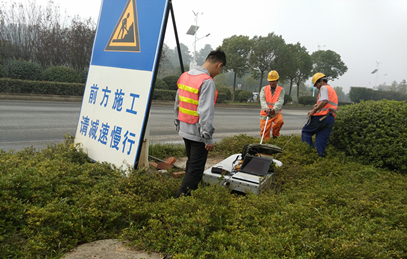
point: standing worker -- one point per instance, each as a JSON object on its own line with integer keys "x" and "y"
{"x": 271, "y": 101}
{"x": 194, "y": 112}
{"x": 322, "y": 117}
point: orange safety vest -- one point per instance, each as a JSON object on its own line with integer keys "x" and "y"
{"x": 332, "y": 104}
{"x": 271, "y": 99}
{"x": 188, "y": 95}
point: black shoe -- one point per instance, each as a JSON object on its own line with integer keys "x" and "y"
{"x": 274, "y": 137}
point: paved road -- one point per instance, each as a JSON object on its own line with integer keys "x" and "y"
{"x": 38, "y": 123}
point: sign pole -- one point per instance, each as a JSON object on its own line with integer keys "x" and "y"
{"x": 145, "y": 126}
{"x": 176, "y": 37}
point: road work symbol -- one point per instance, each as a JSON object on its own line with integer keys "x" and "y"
{"x": 125, "y": 36}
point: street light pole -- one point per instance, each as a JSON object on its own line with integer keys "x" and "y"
{"x": 192, "y": 31}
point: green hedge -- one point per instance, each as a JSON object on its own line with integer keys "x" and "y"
{"x": 61, "y": 74}
{"x": 1, "y": 71}
{"x": 24, "y": 70}
{"x": 307, "y": 100}
{"x": 374, "y": 133}
{"x": 83, "y": 76}
{"x": 160, "y": 84}
{"x": 357, "y": 94}
{"x": 166, "y": 95}
{"x": 287, "y": 99}
{"x": 221, "y": 98}
{"x": 171, "y": 81}
{"x": 55, "y": 199}
{"x": 243, "y": 96}
{"x": 8, "y": 85}
{"x": 225, "y": 91}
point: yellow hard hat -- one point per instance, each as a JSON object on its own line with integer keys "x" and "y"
{"x": 273, "y": 76}
{"x": 316, "y": 77}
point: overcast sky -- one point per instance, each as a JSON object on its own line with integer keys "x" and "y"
{"x": 362, "y": 32}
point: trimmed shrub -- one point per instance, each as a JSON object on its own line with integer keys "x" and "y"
{"x": 20, "y": 69}
{"x": 171, "y": 81}
{"x": 55, "y": 199}
{"x": 8, "y": 85}
{"x": 1, "y": 71}
{"x": 244, "y": 96}
{"x": 83, "y": 76}
{"x": 374, "y": 133}
{"x": 221, "y": 98}
{"x": 61, "y": 74}
{"x": 357, "y": 94}
{"x": 287, "y": 99}
{"x": 226, "y": 91}
{"x": 307, "y": 100}
{"x": 165, "y": 95}
{"x": 160, "y": 84}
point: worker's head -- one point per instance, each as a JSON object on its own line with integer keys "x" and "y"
{"x": 215, "y": 62}
{"x": 273, "y": 77}
{"x": 319, "y": 79}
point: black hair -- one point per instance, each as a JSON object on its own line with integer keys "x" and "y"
{"x": 325, "y": 79}
{"x": 217, "y": 55}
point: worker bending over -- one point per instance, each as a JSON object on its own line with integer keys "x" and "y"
{"x": 194, "y": 112}
{"x": 271, "y": 101}
{"x": 322, "y": 117}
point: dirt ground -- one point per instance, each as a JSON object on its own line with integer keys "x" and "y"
{"x": 109, "y": 249}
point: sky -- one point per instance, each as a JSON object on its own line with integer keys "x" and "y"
{"x": 367, "y": 34}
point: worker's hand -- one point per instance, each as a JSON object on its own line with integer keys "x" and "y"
{"x": 210, "y": 147}
{"x": 271, "y": 112}
{"x": 311, "y": 113}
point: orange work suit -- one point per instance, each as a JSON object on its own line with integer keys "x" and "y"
{"x": 275, "y": 122}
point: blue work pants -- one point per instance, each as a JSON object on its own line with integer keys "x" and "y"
{"x": 321, "y": 129}
{"x": 195, "y": 166}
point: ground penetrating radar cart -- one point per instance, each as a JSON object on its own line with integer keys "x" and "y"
{"x": 245, "y": 172}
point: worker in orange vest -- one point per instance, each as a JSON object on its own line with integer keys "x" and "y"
{"x": 271, "y": 101}
{"x": 322, "y": 117}
{"x": 194, "y": 111}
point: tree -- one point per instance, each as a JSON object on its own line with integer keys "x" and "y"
{"x": 81, "y": 35}
{"x": 202, "y": 54}
{"x": 250, "y": 82}
{"x": 402, "y": 87}
{"x": 328, "y": 62}
{"x": 220, "y": 80}
{"x": 266, "y": 52}
{"x": 341, "y": 95}
{"x": 301, "y": 66}
{"x": 393, "y": 86}
{"x": 185, "y": 54}
{"x": 33, "y": 33}
{"x": 237, "y": 49}
{"x": 165, "y": 67}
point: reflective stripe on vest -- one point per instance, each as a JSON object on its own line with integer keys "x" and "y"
{"x": 188, "y": 95}
{"x": 271, "y": 99}
{"x": 332, "y": 104}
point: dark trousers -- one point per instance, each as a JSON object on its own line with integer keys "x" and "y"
{"x": 321, "y": 129}
{"x": 195, "y": 166}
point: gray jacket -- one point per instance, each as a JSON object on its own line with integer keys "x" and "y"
{"x": 203, "y": 130}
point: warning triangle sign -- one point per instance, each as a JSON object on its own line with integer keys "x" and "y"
{"x": 125, "y": 36}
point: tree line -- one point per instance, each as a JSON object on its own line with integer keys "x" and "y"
{"x": 42, "y": 35}
{"x": 253, "y": 58}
